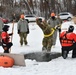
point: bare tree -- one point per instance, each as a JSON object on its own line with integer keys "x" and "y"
{"x": 43, "y": 7}
{"x": 31, "y": 4}
{"x": 28, "y": 8}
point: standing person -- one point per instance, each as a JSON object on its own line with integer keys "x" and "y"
{"x": 23, "y": 30}
{"x": 48, "y": 34}
{"x": 53, "y": 21}
{"x": 6, "y": 44}
{"x": 1, "y": 26}
{"x": 68, "y": 42}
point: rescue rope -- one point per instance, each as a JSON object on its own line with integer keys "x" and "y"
{"x": 50, "y": 33}
{"x": 53, "y": 29}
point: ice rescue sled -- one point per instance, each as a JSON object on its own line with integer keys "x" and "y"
{"x": 6, "y": 61}
{"x": 18, "y": 58}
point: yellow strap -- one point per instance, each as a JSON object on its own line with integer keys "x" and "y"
{"x": 50, "y": 33}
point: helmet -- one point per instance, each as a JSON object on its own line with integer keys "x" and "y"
{"x": 5, "y": 28}
{"x": 71, "y": 28}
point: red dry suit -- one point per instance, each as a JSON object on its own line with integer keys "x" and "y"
{"x": 67, "y": 39}
{"x": 5, "y": 37}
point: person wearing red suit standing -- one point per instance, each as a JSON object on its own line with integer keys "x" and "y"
{"x": 6, "y": 44}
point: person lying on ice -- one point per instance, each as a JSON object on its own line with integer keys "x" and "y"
{"x": 48, "y": 34}
{"x": 6, "y": 44}
{"x": 68, "y": 42}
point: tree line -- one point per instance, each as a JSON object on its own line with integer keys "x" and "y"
{"x": 38, "y": 7}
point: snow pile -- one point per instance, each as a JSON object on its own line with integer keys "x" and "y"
{"x": 57, "y": 66}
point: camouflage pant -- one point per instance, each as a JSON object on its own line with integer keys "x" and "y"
{"x": 47, "y": 43}
{"x": 23, "y": 37}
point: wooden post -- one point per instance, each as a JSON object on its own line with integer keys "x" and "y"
{"x": 12, "y": 34}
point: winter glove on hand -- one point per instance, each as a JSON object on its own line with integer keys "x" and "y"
{"x": 27, "y": 21}
{"x": 10, "y": 34}
{"x": 27, "y": 31}
{"x": 59, "y": 29}
{"x": 18, "y": 32}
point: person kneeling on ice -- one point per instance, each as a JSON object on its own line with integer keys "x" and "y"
{"x": 68, "y": 42}
{"x": 6, "y": 44}
{"x": 48, "y": 34}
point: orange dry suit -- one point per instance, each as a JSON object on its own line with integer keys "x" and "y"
{"x": 67, "y": 39}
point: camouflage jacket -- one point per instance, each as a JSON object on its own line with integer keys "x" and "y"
{"x": 46, "y": 28}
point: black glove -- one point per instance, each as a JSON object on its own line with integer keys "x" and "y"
{"x": 27, "y": 31}
{"x": 10, "y": 34}
{"x": 18, "y": 32}
{"x": 59, "y": 29}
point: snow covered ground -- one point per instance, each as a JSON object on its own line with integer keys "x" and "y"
{"x": 57, "y": 66}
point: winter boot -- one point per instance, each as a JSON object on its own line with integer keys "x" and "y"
{"x": 44, "y": 49}
{"x": 48, "y": 50}
{"x": 25, "y": 42}
{"x": 64, "y": 55}
{"x": 21, "y": 43}
{"x": 0, "y": 43}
